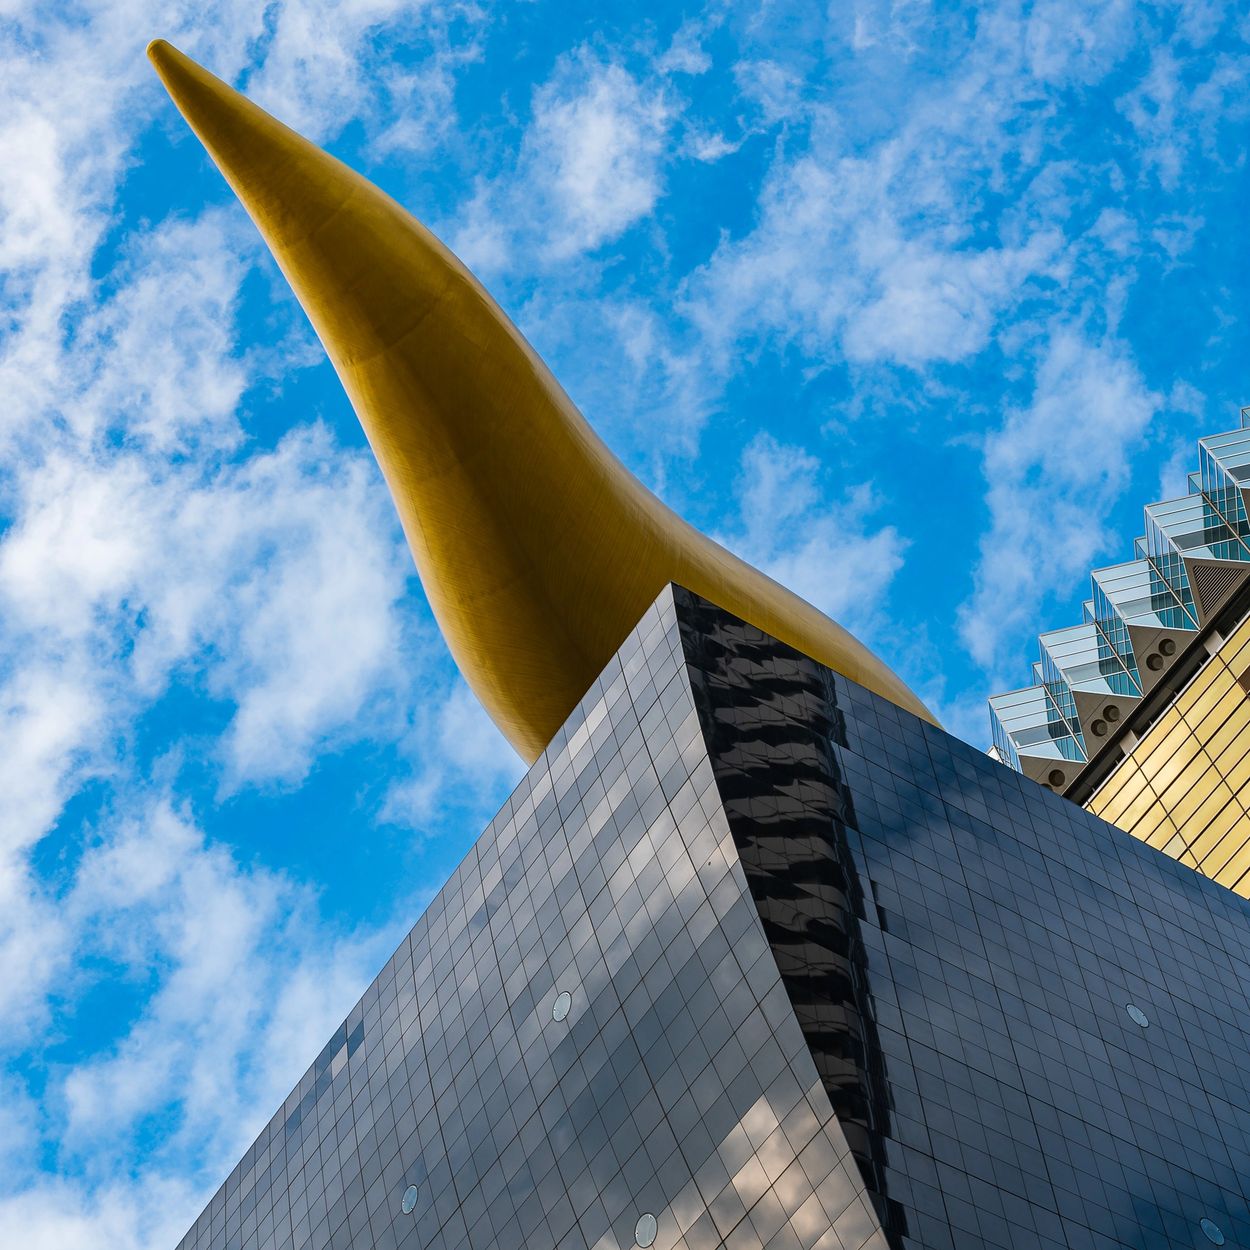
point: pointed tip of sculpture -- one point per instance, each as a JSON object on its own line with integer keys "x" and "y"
{"x": 201, "y": 97}
{"x": 210, "y": 106}
{"x": 165, "y": 56}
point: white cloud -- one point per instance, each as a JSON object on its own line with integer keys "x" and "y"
{"x": 686, "y": 53}
{"x": 1068, "y": 44}
{"x": 660, "y": 385}
{"x": 1053, "y": 472}
{"x": 776, "y": 90}
{"x": 139, "y": 540}
{"x": 1176, "y": 119}
{"x": 911, "y": 237}
{"x": 590, "y": 167}
{"x": 249, "y": 981}
{"x": 460, "y": 760}
{"x": 156, "y": 363}
{"x": 243, "y": 957}
{"x": 35, "y": 940}
{"x": 63, "y": 1214}
{"x": 470, "y": 740}
{"x": 279, "y": 576}
{"x": 299, "y": 589}
{"x": 310, "y": 75}
{"x": 709, "y": 146}
{"x": 423, "y": 100}
{"x": 595, "y": 143}
{"x": 831, "y": 554}
{"x": 832, "y": 263}
{"x": 872, "y": 250}
{"x": 317, "y": 67}
{"x": 1180, "y": 455}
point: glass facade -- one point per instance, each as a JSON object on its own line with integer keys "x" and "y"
{"x": 678, "y": 1085}
{"x": 835, "y": 979}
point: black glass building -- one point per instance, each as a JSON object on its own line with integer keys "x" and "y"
{"x": 754, "y": 958}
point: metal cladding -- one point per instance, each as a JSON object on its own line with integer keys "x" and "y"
{"x": 1184, "y": 787}
{"x": 1141, "y": 621}
{"x": 752, "y": 958}
{"x": 537, "y": 548}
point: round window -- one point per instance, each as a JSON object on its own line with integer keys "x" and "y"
{"x": 1213, "y": 1232}
{"x": 645, "y": 1229}
{"x": 410, "y": 1200}
{"x": 562, "y": 1006}
{"x": 1137, "y": 1015}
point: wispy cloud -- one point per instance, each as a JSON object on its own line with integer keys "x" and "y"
{"x": 247, "y": 975}
{"x": 589, "y": 168}
{"x": 832, "y": 265}
{"x": 829, "y": 551}
{"x": 1177, "y": 116}
{"x": 1053, "y": 471}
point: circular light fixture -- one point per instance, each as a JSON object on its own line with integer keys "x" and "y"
{"x": 1056, "y": 777}
{"x": 562, "y": 1006}
{"x": 1098, "y": 728}
{"x": 1137, "y": 1015}
{"x": 1111, "y": 713}
{"x": 1154, "y": 661}
{"x": 410, "y": 1199}
{"x": 1168, "y": 647}
{"x": 646, "y": 1228}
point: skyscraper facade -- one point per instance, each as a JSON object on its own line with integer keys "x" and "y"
{"x": 1141, "y": 712}
{"x": 756, "y": 956}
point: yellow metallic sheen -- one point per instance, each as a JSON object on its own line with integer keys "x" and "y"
{"x": 538, "y": 550}
{"x": 1185, "y": 787}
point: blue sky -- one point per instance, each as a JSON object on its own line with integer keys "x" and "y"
{"x": 912, "y": 305}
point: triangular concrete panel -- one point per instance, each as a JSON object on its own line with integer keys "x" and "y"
{"x": 1151, "y": 647}
{"x": 1042, "y": 769}
{"x": 1214, "y": 582}
{"x": 1108, "y": 711}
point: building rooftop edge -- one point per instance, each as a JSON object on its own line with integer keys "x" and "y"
{"x": 1149, "y": 627}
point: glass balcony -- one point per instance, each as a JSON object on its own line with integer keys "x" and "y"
{"x": 1136, "y": 593}
{"x": 1027, "y": 722}
{"x": 1083, "y": 659}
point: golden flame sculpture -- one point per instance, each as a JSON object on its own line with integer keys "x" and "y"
{"x": 537, "y": 548}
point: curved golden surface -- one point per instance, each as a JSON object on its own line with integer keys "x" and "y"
{"x": 538, "y": 550}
